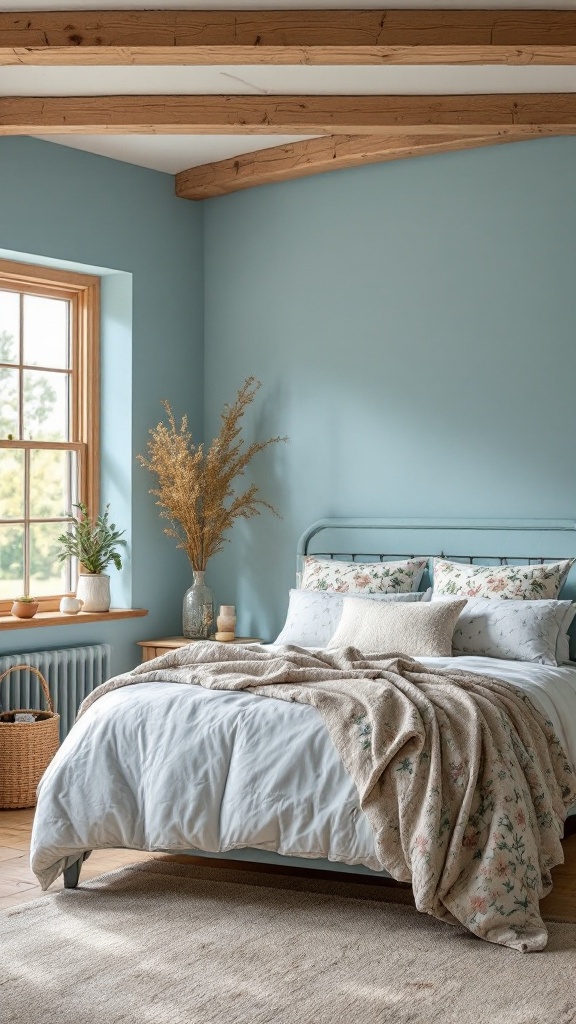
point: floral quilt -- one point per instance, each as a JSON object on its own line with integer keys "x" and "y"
{"x": 463, "y": 780}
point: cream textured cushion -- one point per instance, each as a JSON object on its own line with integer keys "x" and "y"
{"x": 419, "y": 630}
{"x": 313, "y": 615}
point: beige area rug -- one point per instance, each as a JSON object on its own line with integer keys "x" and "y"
{"x": 161, "y": 943}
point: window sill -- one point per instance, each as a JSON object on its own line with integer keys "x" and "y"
{"x": 59, "y": 619}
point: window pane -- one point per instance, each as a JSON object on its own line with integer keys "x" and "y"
{"x": 47, "y": 574}
{"x": 9, "y": 326}
{"x": 11, "y": 562}
{"x": 45, "y": 331}
{"x": 52, "y": 483}
{"x": 9, "y": 403}
{"x": 45, "y": 406}
{"x": 11, "y": 483}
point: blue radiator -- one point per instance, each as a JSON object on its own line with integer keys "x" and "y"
{"x": 72, "y": 673}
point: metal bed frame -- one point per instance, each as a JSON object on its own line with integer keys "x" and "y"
{"x": 525, "y": 540}
{"x": 468, "y": 531}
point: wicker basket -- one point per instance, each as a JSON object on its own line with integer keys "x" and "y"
{"x": 26, "y": 748}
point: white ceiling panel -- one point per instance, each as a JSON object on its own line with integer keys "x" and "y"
{"x": 263, "y": 79}
{"x": 171, "y": 153}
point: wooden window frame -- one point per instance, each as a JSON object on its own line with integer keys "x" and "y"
{"x": 83, "y": 293}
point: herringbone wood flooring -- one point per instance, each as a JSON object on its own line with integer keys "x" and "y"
{"x": 18, "y": 884}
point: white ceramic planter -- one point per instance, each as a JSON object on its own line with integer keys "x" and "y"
{"x": 94, "y": 592}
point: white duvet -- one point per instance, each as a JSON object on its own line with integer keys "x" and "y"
{"x": 165, "y": 766}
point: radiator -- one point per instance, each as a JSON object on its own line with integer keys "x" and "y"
{"x": 71, "y": 673}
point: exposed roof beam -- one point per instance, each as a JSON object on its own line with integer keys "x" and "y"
{"x": 288, "y": 37}
{"x": 552, "y": 113}
{"x": 315, "y": 156}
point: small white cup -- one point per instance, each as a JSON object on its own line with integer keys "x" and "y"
{"x": 71, "y": 605}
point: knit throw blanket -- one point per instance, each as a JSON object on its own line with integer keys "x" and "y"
{"x": 464, "y": 782}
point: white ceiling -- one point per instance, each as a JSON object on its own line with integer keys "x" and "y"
{"x": 172, "y": 153}
{"x": 23, "y": 80}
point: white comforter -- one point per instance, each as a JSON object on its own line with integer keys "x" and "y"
{"x": 164, "y": 766}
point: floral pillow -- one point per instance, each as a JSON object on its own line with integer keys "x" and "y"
{"x": 509, "y": 582}
{"x": 362, "y": 577}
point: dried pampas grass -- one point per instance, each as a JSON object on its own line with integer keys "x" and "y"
{"x": 195, "y": 492}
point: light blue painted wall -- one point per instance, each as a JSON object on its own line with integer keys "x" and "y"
{"x": 414, "y": 325}
{"x": 73, "y": 207}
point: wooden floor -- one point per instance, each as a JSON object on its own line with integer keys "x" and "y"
{"x": 18, "y": 884}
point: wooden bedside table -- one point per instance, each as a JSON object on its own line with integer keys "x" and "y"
{"x": 154, "y": 648}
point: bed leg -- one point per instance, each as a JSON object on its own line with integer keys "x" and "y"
{"x": 72, "y": 874}
{"x": 570, "y": 826}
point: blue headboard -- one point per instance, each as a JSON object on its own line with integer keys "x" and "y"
{"x": 478, "y": 541}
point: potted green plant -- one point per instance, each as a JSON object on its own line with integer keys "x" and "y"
{"x": 94, "y": 542}
{"x": 24, "y": 607}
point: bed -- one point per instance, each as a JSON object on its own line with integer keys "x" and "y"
{"x": 184, "y": 769}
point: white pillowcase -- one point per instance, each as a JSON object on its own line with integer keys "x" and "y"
{"x": 313, "y": 615}
{"x": 533, "y": 631}
{"x": 363, "y": 577}
{"x": 417, "y": 630}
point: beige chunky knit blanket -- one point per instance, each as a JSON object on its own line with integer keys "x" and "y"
{"x": 463, "y": 781}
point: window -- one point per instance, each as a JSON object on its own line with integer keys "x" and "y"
{"x": 49, "y": 423}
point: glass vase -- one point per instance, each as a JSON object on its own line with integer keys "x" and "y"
{"x": 198, "y": 610}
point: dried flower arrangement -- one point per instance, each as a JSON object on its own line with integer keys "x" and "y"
{"x": 195, "y": 492}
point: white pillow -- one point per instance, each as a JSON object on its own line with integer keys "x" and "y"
{"x": 515, "y": 630}
{"x": 418, "y": 630}
{"x": 509, "y": 582}
{"x": 363, "y": 577}
{"x": 313, "y": 615}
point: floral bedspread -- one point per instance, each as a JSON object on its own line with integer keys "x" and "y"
{"x": 464, "y": 782}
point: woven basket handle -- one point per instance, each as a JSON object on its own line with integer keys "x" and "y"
{"x": 43, "y": 683}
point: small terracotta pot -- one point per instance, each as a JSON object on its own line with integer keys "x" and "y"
{"x": 24, "y": 609}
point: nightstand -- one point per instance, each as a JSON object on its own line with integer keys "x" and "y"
{"x": 154, "y": 648}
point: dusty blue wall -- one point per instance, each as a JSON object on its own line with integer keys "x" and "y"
{"x": 86, "y": 210}
{"x": 414, "y": 327}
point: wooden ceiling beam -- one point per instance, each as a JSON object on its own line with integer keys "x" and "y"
{"x": 288, "y": 37}
{"x": 547, "y": 113}
{"x": 316, "y": 156}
